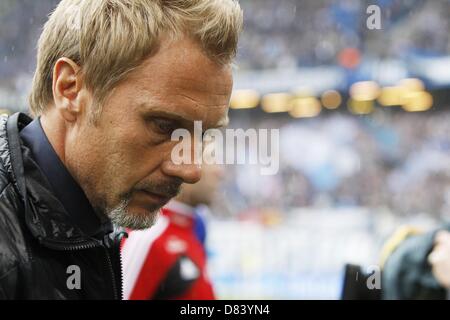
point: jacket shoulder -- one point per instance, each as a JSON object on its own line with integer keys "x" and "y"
{"x": 11, "y": 235}
{"x": 5, "y": 156}
{"x": 12, "y": 242}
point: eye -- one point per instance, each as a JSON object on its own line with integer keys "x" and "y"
{"x": 163, "y": 126}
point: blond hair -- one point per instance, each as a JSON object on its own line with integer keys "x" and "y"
{"x": 110, "y": 38}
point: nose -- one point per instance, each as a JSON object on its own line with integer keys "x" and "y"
{"x": 189, "y": 173}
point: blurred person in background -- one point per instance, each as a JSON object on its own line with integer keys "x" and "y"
{"x": 439, "y": 259}
{"x": 417, "y": 265}
{"x": 114, "y": 79}
{"x": 168, "y": 261}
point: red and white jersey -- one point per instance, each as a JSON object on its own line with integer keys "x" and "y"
{"x": 166, "y": 262}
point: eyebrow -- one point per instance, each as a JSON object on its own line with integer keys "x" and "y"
{"x": 184, "y": 120}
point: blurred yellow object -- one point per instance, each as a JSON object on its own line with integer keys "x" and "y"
{"x": 417, "y": 101}
{"x": 308, "y": 107}
{"x": 392, "y": 96}
{"x": 410, "y": 94}
{"x": 244, "y": 99}
{"x": 331, "y": 99}
{"x": 400, "y": 235}
{"x": 412, "y": 84}
{"x": 365, "y": 91}
{"x": 360, "y": 107}
{"x": 276, "y": 102}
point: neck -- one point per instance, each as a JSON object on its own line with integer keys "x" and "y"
{"x": 55, "y": 131}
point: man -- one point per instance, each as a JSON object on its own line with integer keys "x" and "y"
{"x": 169, "y": 260}
{"x": 114, "y": 79}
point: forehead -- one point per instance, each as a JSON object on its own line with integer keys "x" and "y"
{"x": 181, "y": 78}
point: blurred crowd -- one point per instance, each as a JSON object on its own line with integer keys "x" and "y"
{"x": 20, "y": 26}
{"x": 292, "y": 33}
{"x": 284, "y": 33}
{"x": 390, "y": 160}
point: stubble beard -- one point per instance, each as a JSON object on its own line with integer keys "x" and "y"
{"x": 122, "y": 217}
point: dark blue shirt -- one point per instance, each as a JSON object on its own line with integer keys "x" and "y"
{"x": 64, "y": 186}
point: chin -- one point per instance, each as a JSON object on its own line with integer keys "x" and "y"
{"x": 134, "y": 218}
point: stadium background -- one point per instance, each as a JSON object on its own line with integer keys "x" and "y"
{"x": 364, "y": 126}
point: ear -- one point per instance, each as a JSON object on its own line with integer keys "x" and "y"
{"x": 67, "y": 86}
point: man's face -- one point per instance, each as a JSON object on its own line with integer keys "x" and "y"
{"x": 123, "y": 162}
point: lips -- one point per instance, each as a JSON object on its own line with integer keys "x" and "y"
{"x": 156, "y": 194}
{"x": 157, "y": 198}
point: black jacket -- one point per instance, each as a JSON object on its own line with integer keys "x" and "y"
{"x": 43, "y": 253}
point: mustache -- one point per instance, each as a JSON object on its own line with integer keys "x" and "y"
{"x": 169, "y": 189}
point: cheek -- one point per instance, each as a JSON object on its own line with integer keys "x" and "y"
{"x": 139, "y": 160}
{"x": 85, "y": 162}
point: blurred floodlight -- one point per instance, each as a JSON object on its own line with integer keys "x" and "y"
{"x": 417, "y": 101}
{"x": 412, "y": 84}
{"x": 360, "y": 107}
{"x": 391, "y": 96}
{"x": 276, "y": 102}
{"x": 244, "y": 99}
{"x": 331, "y": 99}
{"x": 307, "y": 107}
{"x": 405, "y": 93}
{"x": 365, "y": 91}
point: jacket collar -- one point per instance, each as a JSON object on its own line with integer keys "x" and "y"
{"x": 63, "y": 185}
{"x": 45, "y": 216}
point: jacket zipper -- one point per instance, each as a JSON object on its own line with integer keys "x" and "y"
{"x": 118, "y": 238}
{"x": 113, "y": 276}
{"x": 118, "y": 241}
{"x": 73, "y": 247}
{"x": 121, "y": 235}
